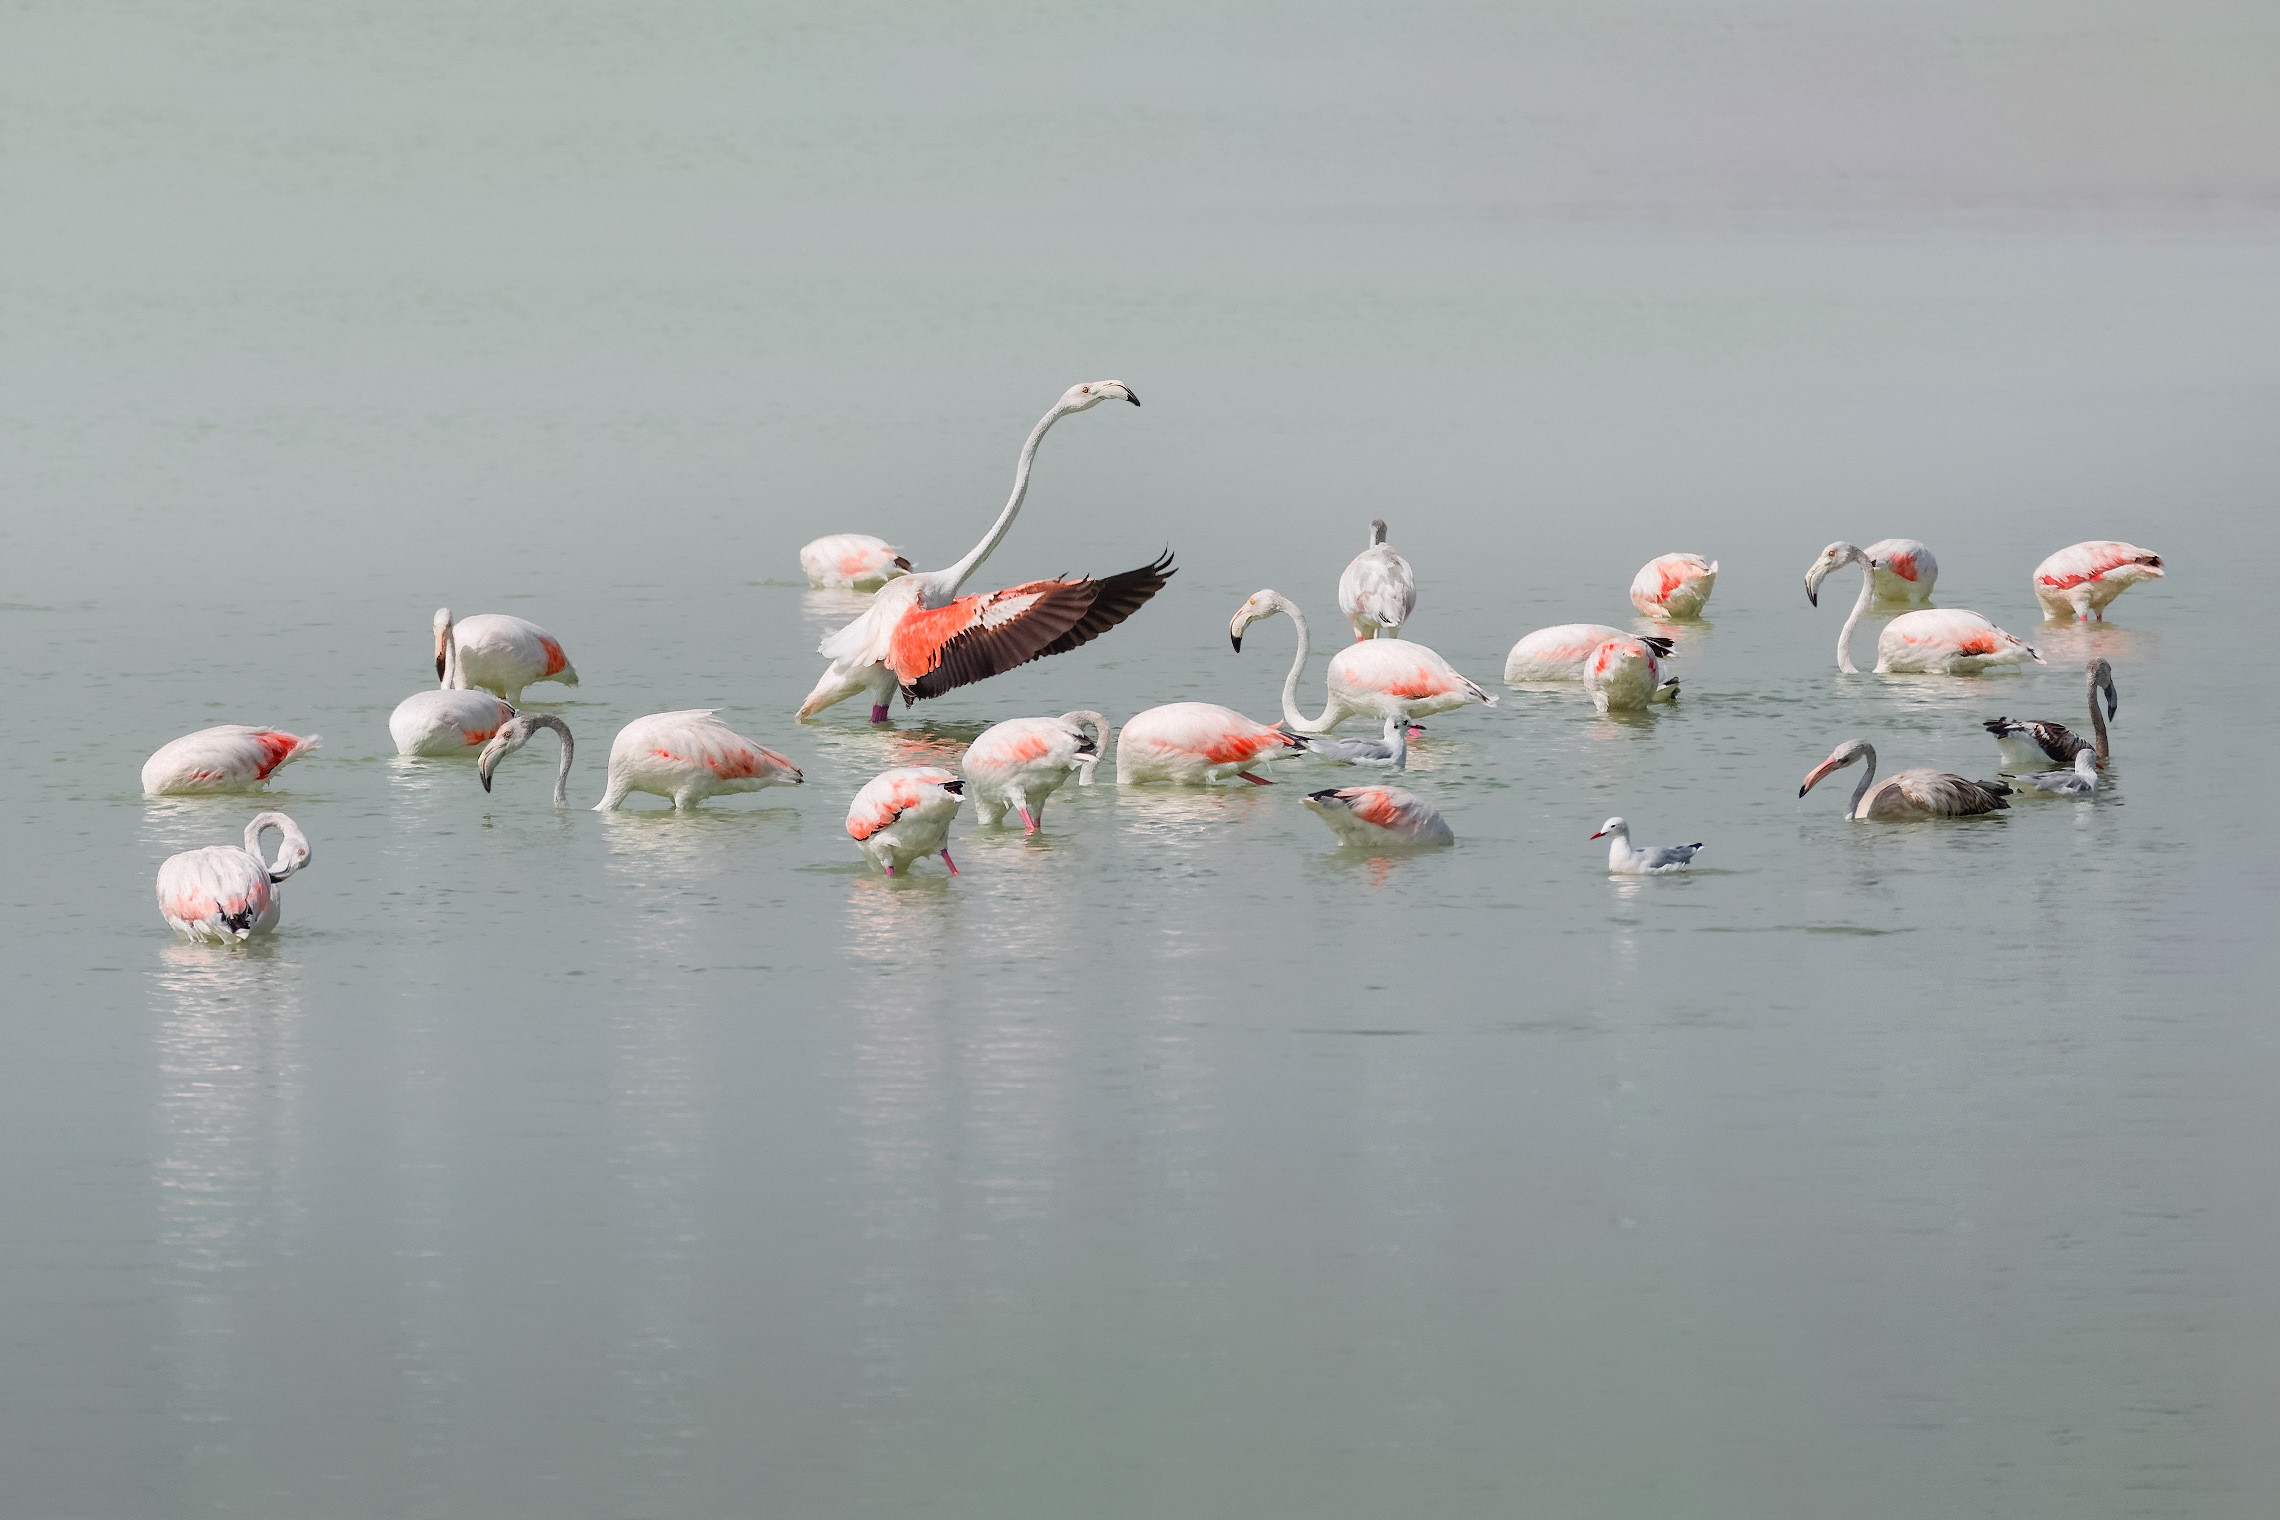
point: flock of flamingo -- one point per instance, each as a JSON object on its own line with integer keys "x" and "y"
{"x": 921, "y": 637}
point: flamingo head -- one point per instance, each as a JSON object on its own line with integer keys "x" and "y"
{"x": 1262, "y": 604}
{"x": 1839, "y": 553}
{"x": 1615, "y": 826}
{"x": 512, "y": 735}
{"x": 1847, "y": 753}
{"x": 442, "y": 635}
{"x": 1080, "y": 398}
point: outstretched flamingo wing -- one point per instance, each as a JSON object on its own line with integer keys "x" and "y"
{"x": 977, "y": 637}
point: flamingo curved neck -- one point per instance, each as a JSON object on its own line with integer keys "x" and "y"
{"x": 454, "y": 679}
{"x": 2097, "y": 719}
{"x": 1291, "y": 715}
{"x": 561, "y": 771}
{"x": 958, "y": 574}
{"x": 1860, "y": 609}
{"x": 1867, "y": 778}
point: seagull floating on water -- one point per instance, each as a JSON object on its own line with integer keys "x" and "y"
{"x": 1649, "y": 860}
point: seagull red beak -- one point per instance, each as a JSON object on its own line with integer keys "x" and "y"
{"x": 1601, "y": 833}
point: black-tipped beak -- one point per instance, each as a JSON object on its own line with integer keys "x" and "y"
{"x": 1237, "y": 640}
{"x": 2113, "y": 702}
{"x": 1813, "y": 596}
{"x": 485, "y": 778}
{"x": 955, "y": 788}
{"x": 439, "y": 667}
{"x": 1808, "y": 786}
{"x": 1135, "y": 400}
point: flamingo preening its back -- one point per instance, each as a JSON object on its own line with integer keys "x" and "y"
{"x": 1378, "y": 590}
{"x": 221, "y": 893}
{"x": 920, "y": 636}
{"x": 1378, "y": 678}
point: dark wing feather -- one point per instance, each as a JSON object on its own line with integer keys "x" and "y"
{"x": 1114, "y": 599}
{"x": 1072, "y": 613}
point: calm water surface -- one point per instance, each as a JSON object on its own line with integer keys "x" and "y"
{"x": 1175, "y": 1161}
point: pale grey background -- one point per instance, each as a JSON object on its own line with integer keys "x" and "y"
{"x": 1174, "y": 1164}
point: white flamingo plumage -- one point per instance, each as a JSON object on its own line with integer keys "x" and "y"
{"x": 450, "y": 720}
{"x": 1560, "y": 652}
{"x": 518, "y": 732}
{"x": 1673, "y": 588}
{"x": 1905, "y": 570}
{"x": 920, "y": 635}
{"x": 1378, "y": 591}
{"x": 222, "y": 894}
{"x": 1910, "y": 795}
{"x": 688, "y": 756}
{"x": 1379, "y": 815}
{"x": 1194, "y": 743}
{"x": 851, "y": 562}
{"x": 499, "y": 653}
{"x": 1378, "y": 678}
{"x": 228, "y": 758}
{"x": 2081, "y": 579}
{"x": 1623, "y": 675}
{"x": 905, "y": 813}
{"x": 1015, "y": 765}
{"x": 1937, "y": 641}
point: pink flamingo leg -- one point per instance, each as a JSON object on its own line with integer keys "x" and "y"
{"x": 878, "y": 712}
{"x": 890, "y": 870}
{"x": 952, "y": 864}
{"x": 1254, "y": 780}
{"x": 1027, "y": 819}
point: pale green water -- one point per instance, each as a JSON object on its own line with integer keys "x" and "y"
{"x": 1175, "y": 1163}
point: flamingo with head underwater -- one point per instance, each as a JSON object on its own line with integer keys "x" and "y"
{"x": 921, "y": 636}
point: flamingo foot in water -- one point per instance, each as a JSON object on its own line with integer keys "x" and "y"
{"x": 878, "y": 712}
{"x": 952, "y": 864}
{"x": 890, "y": 870}
{"x": 1254, "y": 780}
{"x": 1028, "y": 820}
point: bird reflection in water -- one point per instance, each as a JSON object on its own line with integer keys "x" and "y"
{"x": 228, "y": 1112}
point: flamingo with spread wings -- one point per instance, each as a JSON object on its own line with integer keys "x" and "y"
{"x": 921, "y": 637}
